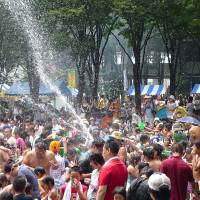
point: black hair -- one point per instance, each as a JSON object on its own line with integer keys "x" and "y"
{"x": 40, "y": 145}
{"x": 113, "y": 146}
{"x": 197, "y": 144}
{"x": 8, "y": 166}
{"x": 6, "y": 196}
{"x": 158, "y": 148}
{"x": 76, "y": 169}
{"x": 149, "y": 153}
{"x": 178, "y": 148}
{"x": 98, "y": 143}
{"x": 48, "y": 180}
{"x": 3, "y": 179}
{"x": 141, "y": 166}
{"x": 162, "y": 194}
{"x": 135, "y": 159}
{"x": 148, "y": 171}
{"x": 19, "y": 184}
{"x": 168, "y": 126}
{"x": 39, "y": 170}
{"x": 28, "y": 144}
{"x": 97, "y": 158}
{"x": 120, "y": 190}
{"x": 28, "y": 189}
{"x": 144, "y": 137}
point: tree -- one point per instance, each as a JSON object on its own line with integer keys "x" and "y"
{"x": 135, "y": 25}
{"x": 171, "y": 21}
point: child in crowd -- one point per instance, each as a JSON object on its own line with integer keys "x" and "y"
{"x": 48, "y": 184}
{"x": 119, "y": 193}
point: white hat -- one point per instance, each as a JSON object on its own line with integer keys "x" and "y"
{"x": 157, "y": 180}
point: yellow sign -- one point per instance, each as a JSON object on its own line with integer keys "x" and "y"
{"x": 71, "y": 79}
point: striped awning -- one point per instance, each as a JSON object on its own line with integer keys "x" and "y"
{"x": 196, "y": 89}
{"x": 148, "y": 90}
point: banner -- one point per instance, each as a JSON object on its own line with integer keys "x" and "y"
{"x": 71, "y": 79}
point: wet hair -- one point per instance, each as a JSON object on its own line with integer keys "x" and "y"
{"x": 41, "y": 145}
{"x": 113, "y": 146}
{"x": 178, "y": 148}
{"x": 148, "y": 171}
{"x": 142, "y": 165}
{"x": 48, "y": 180}
{"x": 162, "y": 194}
{"x": 8, "y": 166}
{"x": 19, "y": 184}
{"x": 6, "y": 196}
{"x": 197, "y": 144}
{"x": 135, "y": 159}
{"x": 120, "y": 190}
{"x": 144, "y": 137}
{"x": 97, "y": 158}
{"x": 76, "y": 169}
{"x": 39, "y": 170}
{"x": 158, "y": 148}
{"x": 149, "y": 153}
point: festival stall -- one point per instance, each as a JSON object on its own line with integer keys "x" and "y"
{"x": 150, "y": 90}
{"x": 196, "y": 89}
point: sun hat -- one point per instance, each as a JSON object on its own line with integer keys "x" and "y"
{"x": 157, "y": 180}
{"x": 117, "y": 135}
{"x": 172, "y": 97}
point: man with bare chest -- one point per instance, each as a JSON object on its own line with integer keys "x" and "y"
{"x": 40, "y": 157}
{"x": 4, "y": 157}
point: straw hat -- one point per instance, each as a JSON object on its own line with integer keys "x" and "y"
{"x": 117, "y": 135}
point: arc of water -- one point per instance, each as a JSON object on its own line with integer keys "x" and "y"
{"x": 22, "y": 13}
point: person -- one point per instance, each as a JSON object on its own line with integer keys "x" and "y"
{"x": 19, "y": 141}
{"x": 149, "y": 110}
{"x": 148, "y": 154}
{"x": 132, "y": 169}
{"x": 178, "y": 171}
{"x": 40, "y": 157}
{"x": 73, "y": 189}
{"x": 171, "y": 106}
{"x": 109, "y": 176}
{"x": 6, "y": 196}
{"x": 139, "y": 187}
{"x": 96, "y": 161}
{"x": 19, "y": 186}
{"x": 159, "y": 186}
{"x": 40, "y": 173}
{"x": 4, "y": 157}
{"x": 119, "y": 193}
{"x": 57, "y": 173}
{"x": 196, "y": 162}
{"x": 48, "y": 184}
{"x": 3, "y": 181}
{"x": 12, "y": 169}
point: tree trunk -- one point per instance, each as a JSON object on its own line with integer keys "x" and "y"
{"x": 137, "y": 81}
{"x": 172, "y": 79}
{"x": 95, "y": 81}
{"x": 81, "y": 81}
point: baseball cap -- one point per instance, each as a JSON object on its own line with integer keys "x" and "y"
{"x": 157, "y": 180}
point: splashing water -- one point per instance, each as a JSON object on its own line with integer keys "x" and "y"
{"x": 21, "y": 11}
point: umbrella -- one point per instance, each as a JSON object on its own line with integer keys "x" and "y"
{"x": 190, "y": 120}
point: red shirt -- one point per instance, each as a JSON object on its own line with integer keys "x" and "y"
{"x": 113, "y": 173}
{"x": 180, "y": 174}
{"x": 73, "y": 191}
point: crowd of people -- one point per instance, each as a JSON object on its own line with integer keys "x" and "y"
{"x": 108, "y": 152}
